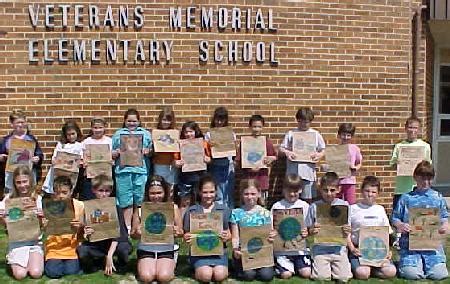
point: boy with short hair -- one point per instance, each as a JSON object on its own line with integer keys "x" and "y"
{"x": 306, "y": 170}
{"x": 330, "y": 261}
{"x": 94, "y": 254}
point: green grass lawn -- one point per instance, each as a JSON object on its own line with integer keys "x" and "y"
{"x": 183, "y": 272}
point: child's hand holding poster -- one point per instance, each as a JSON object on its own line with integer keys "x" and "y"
{"x": 331, "y": 218}
{"x": 408, "y": 158}
{"x": 222, "y": 142}
{"x": 131, "y": 150}
{"x": 424, "y": 223}
{"x": 98, "y": 160}
{"x": 253, "y": 152}
{"x": 206, "y": 229}
{"x": 59, "y": 214}
{"x": 192, "y": 154}
{"x": 374, "y": 245}
{"x": 166, "y": 140}
{"x": 256, "y": 251}
{"x": 304, "y": 145}
{"x": 101, "y": 215}
{"x": 20, "y": 153}
{"x": 157, "y": 223}
{"x": 289, "y": 224}
{"x": 338, "y": 159}
{"x": 21, "y": 220}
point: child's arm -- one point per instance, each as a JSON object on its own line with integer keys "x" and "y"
{"x": 109, "y": 264}
{"x": 178, "y": 226}
{"x": 38, "y": 154}
{"x": 235, "y": 241}
{"x": 351, "y": 247}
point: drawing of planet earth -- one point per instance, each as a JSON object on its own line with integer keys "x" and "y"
{"x": 56, "y": 207}
{"x": 289, "y": 228}
{"x": 373, "y": 248}
{"x": 254, "y": 245}
{"x": 254, "y": 157}
{"x": 207, "y": 240}
{"x": 155, "y": 223}
{"x": 15, "y": 213}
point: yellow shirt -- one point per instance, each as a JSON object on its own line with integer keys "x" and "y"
{"x": 65, "y": 246}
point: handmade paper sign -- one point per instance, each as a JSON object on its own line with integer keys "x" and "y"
{"x": 98, "y": 159}
{"x": 331, "y": 219}
{"x": 67, "y": 162}
{"x": 253, "y": 152}
{"x": 20, "y": 153}
{"x": 101, "y": 215}
{"x": 289, "y": 224}
{"x": 256, "y": 251}
{"x": 304, "y": 145}
{"x": 193, "y": 155}
{"x": 206, "y": 229}
{"x": 21, "y": 220}
{"x": 131, "y": 150}
{"x": 374, "y": 245}
{"x": 424, "y": 223}
{"x": 222, "y": 142}
{"x": 338, "y": 159}
{"x": 59, "y": 214}
{"x": 157, "y": 223}
{"x": 408, "y": 158}
{"x": 166, "y": 140}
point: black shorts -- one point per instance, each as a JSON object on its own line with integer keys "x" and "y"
{"x": 156, "y": 255}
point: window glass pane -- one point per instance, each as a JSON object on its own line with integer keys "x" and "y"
{"x": 444, "y": 100}
{"x": 445, "y": 74}
{"x": 445, "y": 127}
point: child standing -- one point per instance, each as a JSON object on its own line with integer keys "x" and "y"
{"x": 306, "y": 170}
{"x": 163, "y": 163}
{"x": 222, "y": 169}
{"x": 24, "y": 258}
{"x": 299, "y": 261}
{"x": 157, "y": 262}
{"x": 69, "y": 142}
{"x": 329, "y": 261}
{"x": 430, "y": 264}
{"x": 404, "y": 184}
{"x": 60, "y": 250}
{"x": 251, "y": 214}
{"x": 20, "y": 130}
{"x": 96, "y": 136}
{"x": 368, "y": 213}
{"x": 208, "y": 268}
{"x": 94, "y": 254}
{"x": 130, "y": 181}
{"x": 348, "y": 184}
{"x": 256, "y": 124}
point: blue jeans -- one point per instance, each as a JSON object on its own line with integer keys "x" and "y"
{"x": 57, "y": 268}
{"x": 436, "y": 272}
{"x": 224, "y": 178}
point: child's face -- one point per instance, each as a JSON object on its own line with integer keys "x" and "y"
{"x": 71, "y": 135}
{"x": 156, "y": 193}
{"x": 62, "y": 192}
{"x": 345, "y": 138}
{"x": 165, "y": 123}
{"x": 370, "y": 194}
{"x": 329, "y": 192}
{"x": 132, "y": 122}
{"x": 19, "y": 125}
{"x": 257, "y": 127}
{"x": 250, "y": 196}
{"x": 208, "y": 193}
{"x": 412, "y": 130}
{"x": 98, "y": 130}
{"x": 22, "y": 184}
{"x": 291, "y": 195}
{"x": 303, "y": 124}
{"x": 189, "y": 133}
{"x": 423, "y": 182}
{"x": 102, "y": 191}
{"x": 219, "y": 122}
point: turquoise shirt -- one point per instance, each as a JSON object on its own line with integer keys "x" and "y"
{"x": 258, "y": 217}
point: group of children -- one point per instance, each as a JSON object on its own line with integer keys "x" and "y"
{"x": 160, "y": 179}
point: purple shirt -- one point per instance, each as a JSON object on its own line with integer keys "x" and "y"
{"x": 355, "y": 159}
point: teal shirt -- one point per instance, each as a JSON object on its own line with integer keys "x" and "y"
{"x": 146, "y": 143}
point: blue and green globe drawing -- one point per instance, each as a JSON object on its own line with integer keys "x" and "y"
{"x": 373, "y": 248}
{"x": 155, "y": 223}
{"x": 254, "y": 245}
{"x": 289, "y": 228}
{"x": 56, "y": 207}
{"x": 207, "y": 240}
{"x": 15, "y": 213}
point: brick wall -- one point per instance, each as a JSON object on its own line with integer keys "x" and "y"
{"x": 347, "y": 60}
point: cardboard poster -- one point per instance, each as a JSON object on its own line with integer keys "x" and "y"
{"x": 131, "y": 150}
{"x": 193, "y": 155}
{"x": 304, "y": 145}
{"x": 374, "y": 245}
{"x": 206, "y": 229}
{"x": 59, "y": 214}
{"x": 331, "y": 219}
{"x": 21, "y": 220}
{"x": 20, "y": 153}
{"x": 166, "y": 141}
{"x": 157, "y": 223}
{"x": 256, "y": 251}
{"x": 424, "y": 233}
{"x": 253, "y": 152}
{"x": 71, "y": 175}
{"x": 338, "y": 158}
{"x": 289, "y": 223}
{"x": 98, "y": 159}
{"x": 222, "y": 142}
{"x": 408, "y": 158}
{"x": 96, "y": 169}
{"x": 67, "y": 162}
{"x": 101, "y": 215}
